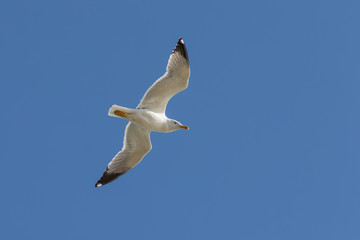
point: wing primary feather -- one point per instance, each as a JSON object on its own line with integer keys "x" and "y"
{"x": 180, "y": 47}
{"x": 108, "y": 177}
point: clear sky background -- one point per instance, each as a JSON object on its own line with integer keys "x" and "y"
{"x": 273, "y": 109}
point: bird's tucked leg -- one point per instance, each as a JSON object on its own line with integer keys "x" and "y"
{"x": 121, "y": 113}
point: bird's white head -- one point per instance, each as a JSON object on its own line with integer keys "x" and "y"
{"x": 175, "y": 125}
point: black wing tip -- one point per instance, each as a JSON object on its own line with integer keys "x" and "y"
{"x": 180, "y": 47}
{"x": 107, "y": 177}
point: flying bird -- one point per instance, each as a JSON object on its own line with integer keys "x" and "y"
{"x": 149, "y": 115}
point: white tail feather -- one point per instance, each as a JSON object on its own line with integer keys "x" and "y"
{"x": 116, "y": 107}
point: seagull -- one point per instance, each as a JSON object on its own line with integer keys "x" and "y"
{"x": 149, "y": 115}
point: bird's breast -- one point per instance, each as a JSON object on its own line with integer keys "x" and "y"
{"x": 150, "y": 120}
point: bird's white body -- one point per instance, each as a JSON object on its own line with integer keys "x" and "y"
{"x": 153, "y": 121}
{"x": 148, "y": 119}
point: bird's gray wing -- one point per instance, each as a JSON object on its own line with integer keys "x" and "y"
{"x": 136, "y": 145}
{"x": 175, "y": 80}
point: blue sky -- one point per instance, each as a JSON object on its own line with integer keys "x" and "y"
{"x": 273, "y": 109}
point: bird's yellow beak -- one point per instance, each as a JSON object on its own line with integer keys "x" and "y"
{"x": 185, "y": 127}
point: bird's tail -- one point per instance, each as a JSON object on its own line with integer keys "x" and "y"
{"x": 119, "y": 112}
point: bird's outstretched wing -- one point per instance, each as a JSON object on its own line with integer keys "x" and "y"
{"x": 175, "y": 80}
{"x": 136, "y": 145}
